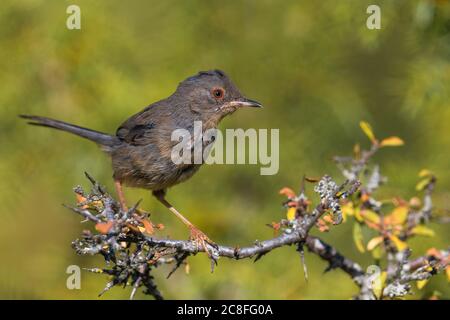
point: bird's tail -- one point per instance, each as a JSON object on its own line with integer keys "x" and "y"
{"x": 101, "y": 138}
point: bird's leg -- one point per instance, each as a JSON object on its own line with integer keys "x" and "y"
{"x": 118, "y": 186}
{"x": 197, "y": 235}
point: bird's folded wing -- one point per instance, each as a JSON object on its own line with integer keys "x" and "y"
{"x": 139, "y": 129}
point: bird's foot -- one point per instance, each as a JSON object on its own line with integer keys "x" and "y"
{"x": 201, "y": 240}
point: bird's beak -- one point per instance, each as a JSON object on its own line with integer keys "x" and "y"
{"x": 244, "y": 102}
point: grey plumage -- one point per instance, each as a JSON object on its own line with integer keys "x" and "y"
{"x": 101, "y": 138}
{"x": 141, "y": 148}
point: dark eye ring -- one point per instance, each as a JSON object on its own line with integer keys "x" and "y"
{"x": 218, "y": 93}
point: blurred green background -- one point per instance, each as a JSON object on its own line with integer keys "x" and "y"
{"x": 313, "y": 64}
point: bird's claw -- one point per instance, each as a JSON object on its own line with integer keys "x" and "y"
{"x": 201, "y": 240}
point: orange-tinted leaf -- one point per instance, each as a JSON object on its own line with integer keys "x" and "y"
{"x": 148, "y": 226}
{"x": 391, "y": 142}
{"x": 322, "y": 226}
{"x": 374, "y": 242}
{"x": 373, "y": 226}
{"x": 447, "y": 272}
{"x": 367, "y": 129}
{"x": 80, "y": 198}
{"x": 415, "y": 202}
{"x": 434, "y": 253}
{"x": 328, "y": 218}
{"x": 398, "y": 201}
{"x": 275, "y": 226}
{"x": 104, "y": 227}
{"x": 288, "y": 192}
{"x": 365, "y": 197}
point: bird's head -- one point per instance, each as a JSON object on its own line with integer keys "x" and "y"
{"x": 212, "y": 94}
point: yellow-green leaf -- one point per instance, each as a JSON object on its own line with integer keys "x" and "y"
{"x": 422, "y": 231}
{"x": 425, "y": 173}
{"x": 391, "y": 142}
{"x": 422, "y": 184}
{"x": 374, "y": 242}
{"x": 421, "y": 283}
{"x": 399, "y": 244}
{"x": 398, "y": 215}
{"x": 378, "y": 284}
{"x": 358, "y": 216}
{"x": 358, "y": 237}
{"x": 367, "y": 129}
{"x": 371, "y": 216}
{"x": 347, "y": 208}
{"x": 377, "y": 252}
{"x": 291, "y": 213}
{"x": 357, "y": 151}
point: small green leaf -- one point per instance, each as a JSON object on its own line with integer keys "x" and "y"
{"x": 378, "y": 284}
{"x": 399, "y": 244}
{"x": 367, "y": 129}
{"x": 377, "y": 252}
{"x": 374, "y": 242}
{"x": 425, "y": 173}
{"x": 358, "y": 237}
{"x": 398, "y": 215}
{"x": 421, "y": 283}
{"x": 422, "y": 184}
{"x": 370, "y": 216}
{"x": 422, "y": 231}
{"x": 392, "y": 142}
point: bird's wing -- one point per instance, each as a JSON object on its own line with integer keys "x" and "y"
{"x": 140, "y": 128}
{"x": 155, "y": 124}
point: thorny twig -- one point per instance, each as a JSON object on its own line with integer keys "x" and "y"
{"x": 400, "y": 271}
{"x": 126, "y": 241}
{"x": 128, "y": 244}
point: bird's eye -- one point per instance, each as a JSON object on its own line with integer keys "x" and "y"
{"x": 218, "y": 93}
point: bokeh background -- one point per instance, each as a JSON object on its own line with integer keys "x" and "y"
{"x": 313, "y": 64}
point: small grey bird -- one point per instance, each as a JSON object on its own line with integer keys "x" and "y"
{"x": 141, "y": 148}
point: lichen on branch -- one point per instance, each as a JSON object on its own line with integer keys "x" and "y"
{"x": 130, "y": 245}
